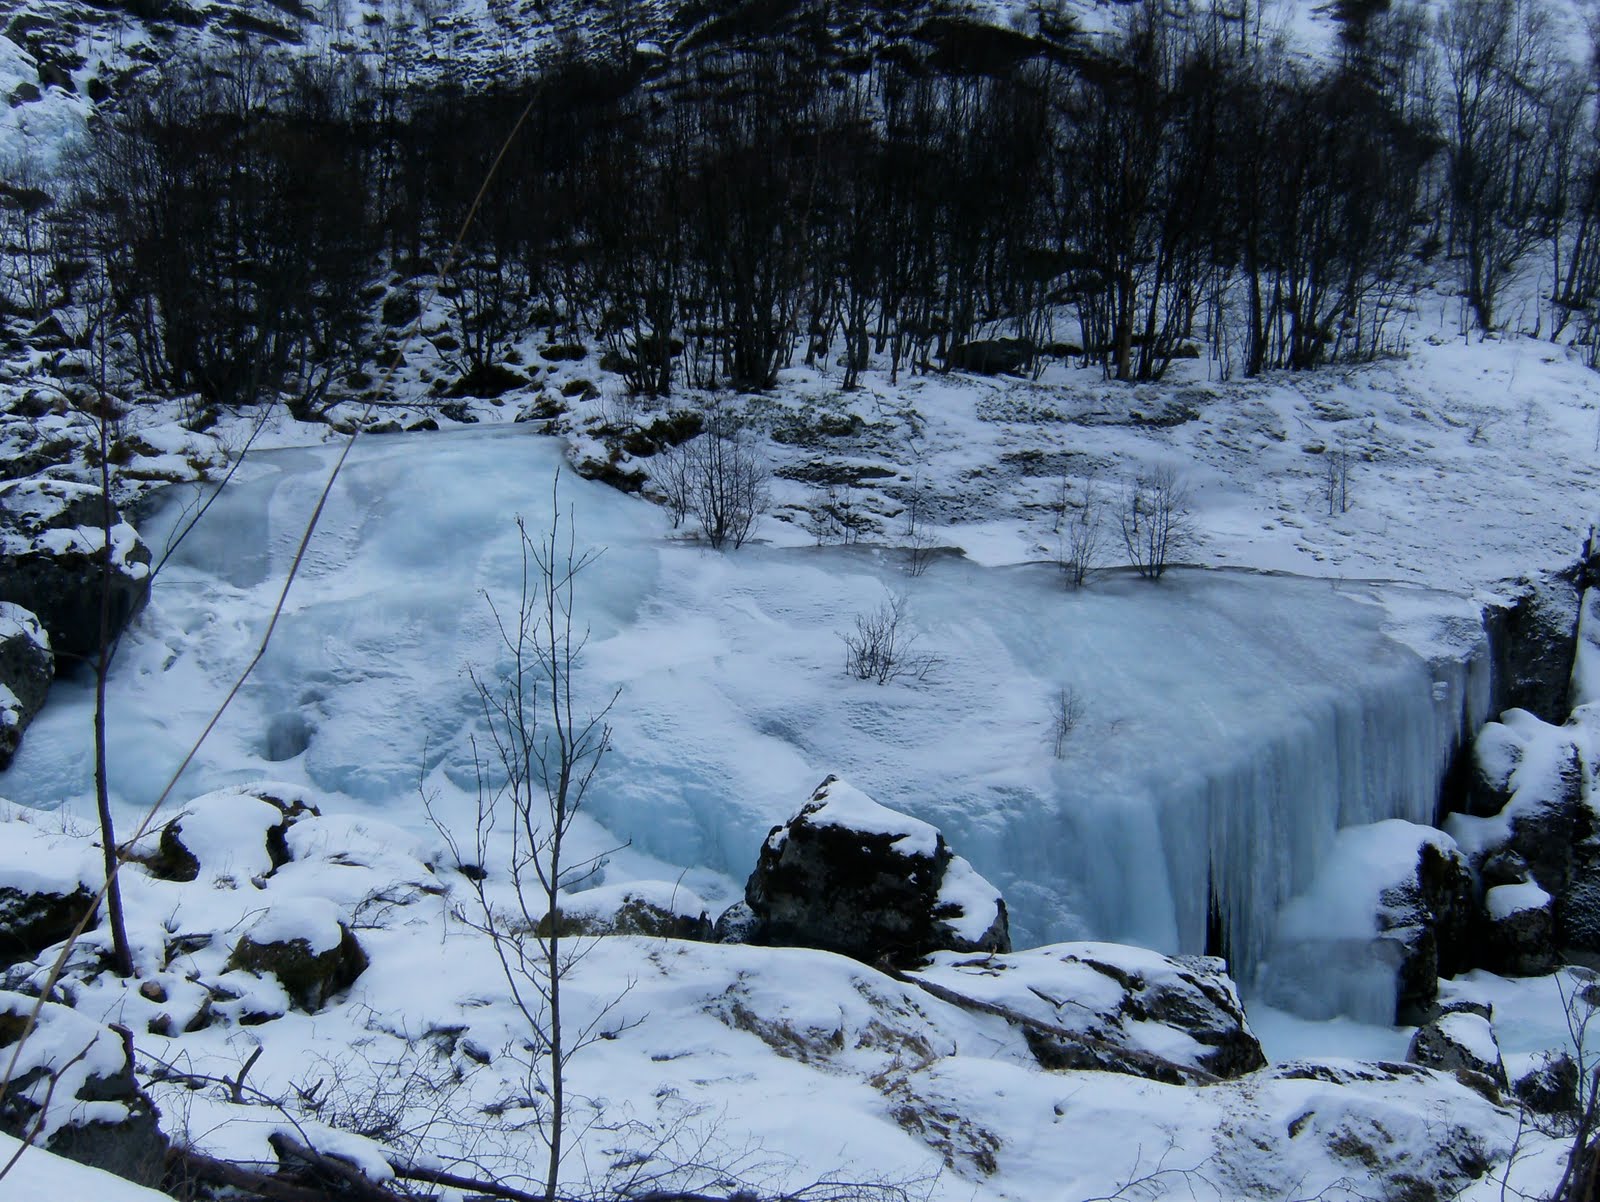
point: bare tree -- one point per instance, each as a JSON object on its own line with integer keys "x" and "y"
{"x": 1336, "y": 478}
{"x": 1155, "y": 521}
{"x": 1066, "y": 713}
{"x": 727, "y": 480}
{"x": 882, "y": 648}
{"x": 543, "y": 757}
{"x": 1080, "y": 533}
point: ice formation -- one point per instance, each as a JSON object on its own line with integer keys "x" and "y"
{"x": 1231, "y": 722}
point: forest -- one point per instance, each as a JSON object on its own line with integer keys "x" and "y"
{"x": 1185, "y": 187}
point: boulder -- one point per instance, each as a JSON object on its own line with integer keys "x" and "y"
{"x": 1550, "y": 1087}
{"x": 1459, "y": 1040}
{"x": 737, "y": 924}
{"x": 74, "y": 1081}
{"x": 1112, "y": 1008}
{"x": 1519, "y": 932}
{"x": 658, "y": 909}
{"x": 47, "y": 882}
{"x": 52, "y": 562}
{"x": 241, "y": 832}
{"x": 848, "y": 875}
{"x": 303, "y": 945}
{"x": 1533, "y": 639}
{"x": 26, "y": 669}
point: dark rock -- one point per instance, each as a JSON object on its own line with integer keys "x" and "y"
{"x": 993, "y": 357}
{"x": 310, "y": 973}
{"x": 737, "y": 924}
{"x": 32, "y": 921}
{"x": 1533, "y": 642}
{"x": 1459, "y": 1041}
{"x": 1504, "y": 867}
{"x": 1432, "y": 920}
{"x": 1519, "y": 933}
{"x": 74, "y": 1081}
{"x": 848, "y": 875}
{"x": 26, "y": 668}
{"x": 1551, "y": 1087}
{"x": 563, "y": 352}
{"x": 486, "y": 380}
{"x": 425, "y": 425}
{"x": 581, "y": 390}
{"x": 51, "y": 563}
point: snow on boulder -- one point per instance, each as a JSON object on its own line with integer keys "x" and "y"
{"x": 301, "y": 942}
{"x": 53, "y": 540}
{"x": 1461, "y": 1039}
{"x": 1392, "y": 909}
{"x": 238, "y": 833}
{"x": 1547, "y": 831}
{"x": 47, "y": 881}
{"x": 26, "y": 668}
{"x": 660, "y": 909}
{"x": 74, "y": 1082}
{"x": 1518, "y": 939}
{"x": 848, "y": 875}
{"x": 1087, "y": 1005}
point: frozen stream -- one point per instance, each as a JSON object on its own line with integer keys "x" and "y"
{"x": 1231, "y": 722}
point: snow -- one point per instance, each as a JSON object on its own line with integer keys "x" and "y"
{"x": 975, "y": 900}
{"x": 313, "y": 921}
{"x": 211, "y": 828}
{"x": 1505, "y": 900}
{"x": 16, "y": 622}
{"x": 841, "y": 805}
{"x": 36, "y": 860}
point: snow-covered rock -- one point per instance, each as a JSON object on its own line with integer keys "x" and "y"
{"x": 47, "y": 881}
{"x": 1093, "y": 1003}
{"x": 1462, "y": 1038}
{"x": 1518, "y": 935}
{"x": 52, "y": 561}
{"x": 849, "y": 875}
{"x": 236, "y": 833}
{"x": 656, "y": 908}
{"x": 73, "y": 1081}
{"x": 26, "y": 668}
{"x": 303, "y": 943}
{"x": 1546, "y": 834}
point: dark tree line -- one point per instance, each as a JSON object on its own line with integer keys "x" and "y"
{"x": 1186, "y": 188}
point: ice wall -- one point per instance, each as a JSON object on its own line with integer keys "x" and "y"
{"x": 1231, "y": 721}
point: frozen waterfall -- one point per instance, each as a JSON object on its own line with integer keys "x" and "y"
{"x": 1232, "y": 722}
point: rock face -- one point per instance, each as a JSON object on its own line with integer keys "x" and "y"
{"x": 26, "y": 668}
{"x": 1533, "y": 644}
{"x": 52, "y": 562}
{"x": 74, "y": 1080}
{"x": 1459, "y": 1039}
{"x": 1432, "y": 918}
{"x": 1112, "y": 1008}
{"x": 848, "y": 875}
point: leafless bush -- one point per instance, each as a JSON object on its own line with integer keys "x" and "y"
{"x": 919, "y": 540}
{"x": 726, "y": 484}
{"x": 1155, "y": 521}
{"x": 1066, "y": 713}
{"x": 673, "y": 476}
{"x": 1079, "y": 533}
{"x": 1336, "y": 478}
{"x": 881, "y": 648}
